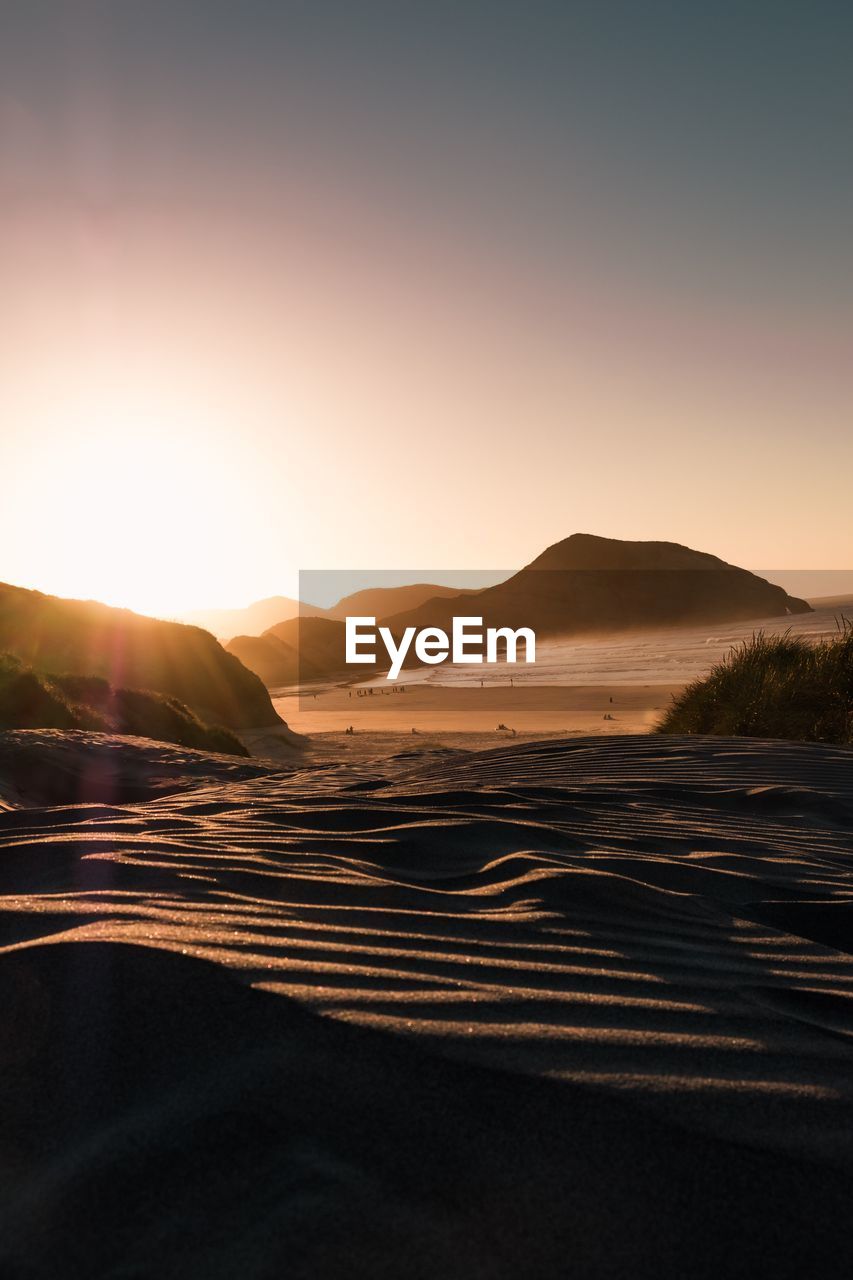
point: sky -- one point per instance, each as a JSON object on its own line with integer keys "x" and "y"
{"x": 292, "y": 286}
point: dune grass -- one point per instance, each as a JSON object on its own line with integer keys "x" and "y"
{"x": 773, "y": 687}
{"x": 37, "y": 700}
{"x": 29, "y": 701}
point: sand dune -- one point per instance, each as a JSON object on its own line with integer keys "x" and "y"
{"x": 53, "y": 767}
{"x": 568, "y": 1007}
{"x": 131, "y": 651}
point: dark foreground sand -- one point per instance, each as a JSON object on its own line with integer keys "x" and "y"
{"x": 568, "y": 1008}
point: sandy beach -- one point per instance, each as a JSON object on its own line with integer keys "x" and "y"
{"x": 577, "y": 1004}
{"x": 573, "y": 686}
{"x": 437, "y": 709}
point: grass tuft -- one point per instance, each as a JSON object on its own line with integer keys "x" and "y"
{"x": 38, "y": 700}
{"x": 773, "y": 687}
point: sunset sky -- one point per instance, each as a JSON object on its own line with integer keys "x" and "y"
{"x": 308, "y": 285}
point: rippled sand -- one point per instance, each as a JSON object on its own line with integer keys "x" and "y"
{"x": 568, "y": 1007}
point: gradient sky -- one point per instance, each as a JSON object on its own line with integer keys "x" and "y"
{"x": 309, "y": 285}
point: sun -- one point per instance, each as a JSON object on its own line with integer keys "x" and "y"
{"x": 134, "y": 500}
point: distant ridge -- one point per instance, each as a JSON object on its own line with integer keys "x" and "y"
{"x": 841, "y": 603}
{"x": 262, "y": 616}
{"x": 253, "y": 620}
{"x": 379, "y": 602}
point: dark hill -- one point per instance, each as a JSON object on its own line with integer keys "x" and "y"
{"x": 590, "y": 584}
{"x": 589, "y": 552}
{"x": 75, "y": 637}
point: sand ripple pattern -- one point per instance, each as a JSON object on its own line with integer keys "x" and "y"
{"x": 670, "y": 919}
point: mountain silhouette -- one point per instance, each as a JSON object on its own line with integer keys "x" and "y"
{"x": 591, "y": 584}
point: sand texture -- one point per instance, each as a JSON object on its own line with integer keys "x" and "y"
{"x": 577, "y": 1007}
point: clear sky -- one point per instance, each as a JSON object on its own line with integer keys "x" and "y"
{"x": 311, "y": 285}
